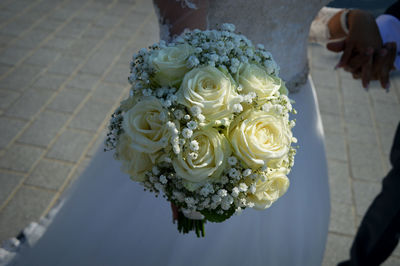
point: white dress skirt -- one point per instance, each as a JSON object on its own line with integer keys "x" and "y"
{"x": 109, "y": 220}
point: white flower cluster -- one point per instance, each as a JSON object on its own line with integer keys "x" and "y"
{"x": 206, "y": 123}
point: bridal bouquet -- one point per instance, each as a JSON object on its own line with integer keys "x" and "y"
{"x": 207, "y": 125}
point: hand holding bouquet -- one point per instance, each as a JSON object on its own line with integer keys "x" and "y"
{"x": 206, "y": 124}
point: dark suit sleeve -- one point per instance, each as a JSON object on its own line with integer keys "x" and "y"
{"x": 394, "y": 10}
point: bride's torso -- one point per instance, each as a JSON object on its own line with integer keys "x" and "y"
{"x": 282, "y": 26}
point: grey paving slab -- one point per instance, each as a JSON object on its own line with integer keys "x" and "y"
{"x": 67, "y": 100}
{"x": 7, "y": 97}
{"x": 386, "y": 135}
{"x": 4, "y": 69}
{"x": 20, "y": 78}
{"x": 49, "y": 174}
{"x": 61, "y": 14}
{"x": 9, "y": 128}
{"x": 335, "y": 146}
{"x": 88, "y": 14}
{"x": 357, "y": 113}
{"x": 49, "y": 24}
{"x": 342, "y": 218}
{"x": 29, "y": 103}
{"x": 324, "y": 78}
{"x": 118, "y": 74}
{"x": 5, "y": 40}
{"x": 353, "y": 92}
{"x": 380, "y": 95}
{"x": 392, "y": 261}
{"x": 83, "y": 81}
{"x": 44, "y": 129}
{"x": 15, "y": 28}
{"x": 329, "y": 102}
{"x": 20, "y": 158}
{"x": 95, "y": 33}
{"x": 58, "y": 43}
{"x": 98, "y": 145}
{"x": 364, "y": 193}
{"x": 8, "y": 182}
{"x": 81, "y": 47}
{"x": 70, "y": 145}
{"x": 12, "y": 55}
{"x": 98, "y": 63}
{"x": 361, "y": 133}
{"x": 106, "y": 92}
{"x": 65, "y": 65}
{"x": 27, "y": 205}
{"x": 337, "y": 249}
{"x": 323, "y": 59}
{"x": 339, "y": 182}
{"x": 387, "y": 112}
{"x": 79, "y": 171}
{"x": 32, "y": 39}
{"x": 91, "y": 116}
{"x": 107, "y": 21}
{"x": 49, "y": 81}
{"x": 43, "y": 57}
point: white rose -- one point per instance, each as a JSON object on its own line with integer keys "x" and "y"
{"x": 269, "y": 190}
{"x": 170, "y": 64}
{"x": 211, "y": 90}
{"x": 260, "y": 138}
{"x": 134, "y": 163}
{"x": 211, "y": 160}
{"x": 144, "y": 124}
{"x": 254, "y": 78}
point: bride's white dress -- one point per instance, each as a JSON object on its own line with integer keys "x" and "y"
{"x": 109, "y": 220}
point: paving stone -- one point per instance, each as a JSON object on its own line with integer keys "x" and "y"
{"x": 324, "y": 78}
{"x": 32, "y": 39}
{"x": 364, "y": 193}
{"x": 98, "y": 63}
{"x": 44, "y": 129}
{"x": 366, "y": 161}
{"x": 29, "y": 103}
{"x": 328, "y": 101}
{"x": 6, "y": 15}
{"x": 83, "y": 81}
{"x": 12, "y": 55}
{"x": 49, "y": 81}
{"x": 43, "y": 57}
{"x": 354, "y": 92}
{"x": 392, "y": 261}
{"x": 65, "y": 65}
{"x": 342, "y": 218}
{"x": 73, "y": 29}
{"x": 321, "y": 58}
{"x": 20, "y": 78}
{"x": 49, "y": 24}
{"x": 107, "y": 92}
{"x": 5, "y": 40}
{"x": 380, "y": 95}
{"x": 67, "y": 100}
{"x": 88, "y": 14}
{"x": 58, "y": 43}
{"x": 33, "y": 202}
{"x": 98, "y": 145}
{"x": 386, "y": 135}
{"x": 387, "y": 113}
{"x": 95, "y": 33}
{"x": 396, "y": 251}
{"x": 4, "y": 69}
{"x": 134, "y": 20}
{"x": 361, "y": 133}
{"x": 124, "y": 33}
{"x": 7, "y": 97}
{"x": 339, "y": 182}
{"x": 15, "y": 28}
{"x": 70, "y": 145}
{"x": 61, "y": 14}
{"x": 9, "y": 128}
{"x": 92, "y": 115}
{"x": 335, "y": 146}
{"x": 337, "y": 249}
{"x": 81, "y": 47}
{"x": 20, "y": 157}
{"x": 107, "y": 21}
{"x": 49, "y": 174}
{"x": 118, "y": 74}
{"x": 8, "y": 183}
{"x": 357, "y": 113}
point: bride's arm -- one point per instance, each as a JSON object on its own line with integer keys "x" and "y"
{"x": 177, "y": 15}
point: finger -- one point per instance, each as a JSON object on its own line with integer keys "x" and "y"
{"x": 387, "y": 65}
{"x": 346, "y": 54}
{"x": 366, "y": 73}
{"x": 379, "y": 62}
{"x": 335, "y": 46}
{"x": 357, "y": 61}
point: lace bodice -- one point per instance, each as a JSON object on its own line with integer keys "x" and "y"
{"x": 282, "y": 26}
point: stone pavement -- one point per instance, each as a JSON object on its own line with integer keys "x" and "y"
{"x": 63, "y": 69}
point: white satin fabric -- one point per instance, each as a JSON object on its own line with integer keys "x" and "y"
{"x": 109, "y": 220}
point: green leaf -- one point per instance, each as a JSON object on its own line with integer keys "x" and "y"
{"x": 212, "y": 216}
